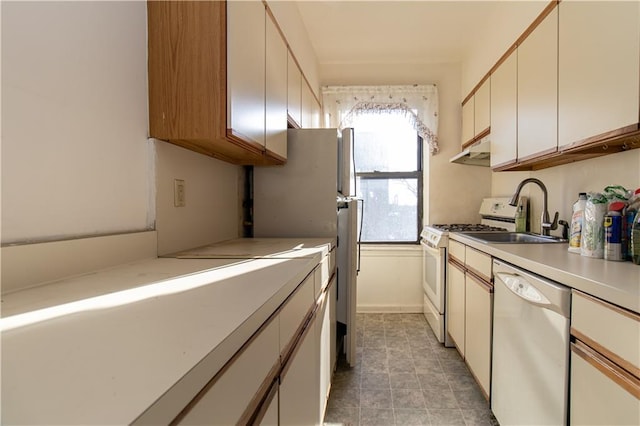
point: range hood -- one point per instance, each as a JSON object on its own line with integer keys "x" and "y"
{"x": 476, "y": 155}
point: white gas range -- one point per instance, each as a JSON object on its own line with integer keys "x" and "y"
{"x": 496, "y": 215}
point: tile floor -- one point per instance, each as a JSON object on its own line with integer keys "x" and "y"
{"x": 404, "y": 376}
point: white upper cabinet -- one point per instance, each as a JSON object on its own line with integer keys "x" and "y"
{"x": 599, "y": 68}
{"x": 294, "y": 94}
{"x": 275, "y": 90}
{"x": 310, "y": 108}
{"x": 468, "y": 131}
{"x": 482, "y": 108}
{"x": 246, "y": 69}
{"x": 504, "y": 116}
{"x": 538, "y": 90}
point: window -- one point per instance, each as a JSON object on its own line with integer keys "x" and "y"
{"x": 388, "y": 159}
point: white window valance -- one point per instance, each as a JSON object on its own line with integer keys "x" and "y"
{"x": 418, "y": 103}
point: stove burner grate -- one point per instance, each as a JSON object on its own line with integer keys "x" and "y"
{"x": 466, "y": 227}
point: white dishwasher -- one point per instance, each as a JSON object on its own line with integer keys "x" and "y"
{"x": 530, "y": 348}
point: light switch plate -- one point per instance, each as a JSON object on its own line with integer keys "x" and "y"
{"x": 179, "y": 196}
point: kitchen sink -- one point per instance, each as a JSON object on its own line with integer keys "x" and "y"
{"x": 513, "y": 237}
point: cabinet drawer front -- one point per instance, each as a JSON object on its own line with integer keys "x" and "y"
{"x": 597, "y": 399}
{"x": 224, "y": 401}
{"x": 611, "y": 330}
{"x": 294, "y": 311}
{"x": 323, "y": 273}
{"x": 479, "y": 263}
{"x": 456, "y": 250}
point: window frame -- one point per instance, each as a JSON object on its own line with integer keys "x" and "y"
{"x": 417, "y": 174}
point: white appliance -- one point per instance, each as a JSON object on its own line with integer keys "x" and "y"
{"x": 497, "y": 215}
{"x": 530, "y": 372}
{"x": 311, "y": 196}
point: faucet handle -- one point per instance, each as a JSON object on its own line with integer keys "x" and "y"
{"x": 554, "y": 224}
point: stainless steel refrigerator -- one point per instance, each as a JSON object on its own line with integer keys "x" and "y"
{"x": 313, "y": 195}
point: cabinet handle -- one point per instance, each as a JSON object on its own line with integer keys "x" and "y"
{"x": 481, "y": 282}
{"x": 621, "y": 377}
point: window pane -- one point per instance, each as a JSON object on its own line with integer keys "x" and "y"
{"x": 385, "y": 143}
{"x": 390, "y": 209}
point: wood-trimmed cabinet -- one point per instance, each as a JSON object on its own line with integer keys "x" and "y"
{"x": 282, "y": 374}
{"x": 577, "y": 90}
{"x": 605, "y": 365}
{"x": 599, "y": 71}
{"x": 470, "y": 308}
{"x": 504, "y": 112}
{"x": 538, "y": 90}
{"x": 476, "y": 114}
{"x": 208, "y": 81}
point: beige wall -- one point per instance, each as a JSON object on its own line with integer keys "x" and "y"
{"x": 75, "y": 158}
{"x": 212, "y": 210}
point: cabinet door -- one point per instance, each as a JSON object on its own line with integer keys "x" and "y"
{"x": 599, "y": 67}
{"x": 482, "y": 108}
{"x": 456, "y": 305}
{"x": 538, "y": 90}
{"x": 294, "y": 311}
{"x": 224, "y": 401}
{"x": 300, "y": 383}
{"x": 294, "y": 93}
{"x": 601, "y": 392}
{"x": 324, "y": 330}
{"x": 246, "y": 69}
{"x": 478, "y": 330}
{"x": 504, "y": 112}
{"x": 275, "y": 91}
{"x": 468, "y": 130}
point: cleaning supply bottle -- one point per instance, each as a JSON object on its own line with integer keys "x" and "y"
{"x": 576, "y": 223}
{"x": 629, "y": 215}
{"x": 635, "y": 239}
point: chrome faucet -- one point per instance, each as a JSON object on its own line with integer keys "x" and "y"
{"x": 545, "y": 225}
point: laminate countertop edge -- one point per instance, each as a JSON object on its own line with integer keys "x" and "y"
{"x": 614, "y": 282}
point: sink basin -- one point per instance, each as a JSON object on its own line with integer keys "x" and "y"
{"x": 513, "y": 238}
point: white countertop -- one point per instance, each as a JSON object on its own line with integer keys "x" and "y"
{"x": 254, "y": 248}
{"x": 107, "y": 364}
{"x": 615, "y": 282}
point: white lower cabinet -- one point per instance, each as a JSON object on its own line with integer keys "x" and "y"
{"x": 601, "y": 392}
{"x": 230, "y": 395}
{"x": 327, "y": 344}
{"x": 478, "y": 331}
{"x": 300, "y": 383}
{"x": 605, "y": 363}
{"x": 456, "y": 305}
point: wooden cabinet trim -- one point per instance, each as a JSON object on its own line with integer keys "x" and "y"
{"x": 606, "y": 352}
{"x": 477, "y": 137}
{"x": 618, "y": 375}
{"x": 296, "y": 343}
{"x": 546, "y": 11}
{"x": 478, "y": 279}
{"x": 456, "y": 263}
{"x": 259, "y": 413}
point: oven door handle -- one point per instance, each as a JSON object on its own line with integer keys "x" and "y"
{"x": 432, "y": 250}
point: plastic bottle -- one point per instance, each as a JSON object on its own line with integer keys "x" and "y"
{"x": 635, "y": 240}
{"x": 521, "y": 220}
{"x": 629, "y": 216}
{"x": 576, "y": 223}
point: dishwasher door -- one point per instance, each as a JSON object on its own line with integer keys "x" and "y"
{"x": 530, "y": 348}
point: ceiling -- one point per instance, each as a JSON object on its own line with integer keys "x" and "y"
{"x": 426, "y": 31}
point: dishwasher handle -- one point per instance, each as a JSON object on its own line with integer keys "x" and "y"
{"x": 522, "y": 288}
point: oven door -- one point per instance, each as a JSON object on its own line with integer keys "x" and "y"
{"x": 433, "y": 278}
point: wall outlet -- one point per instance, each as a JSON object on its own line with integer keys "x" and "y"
{"x": 179, "y": 196}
